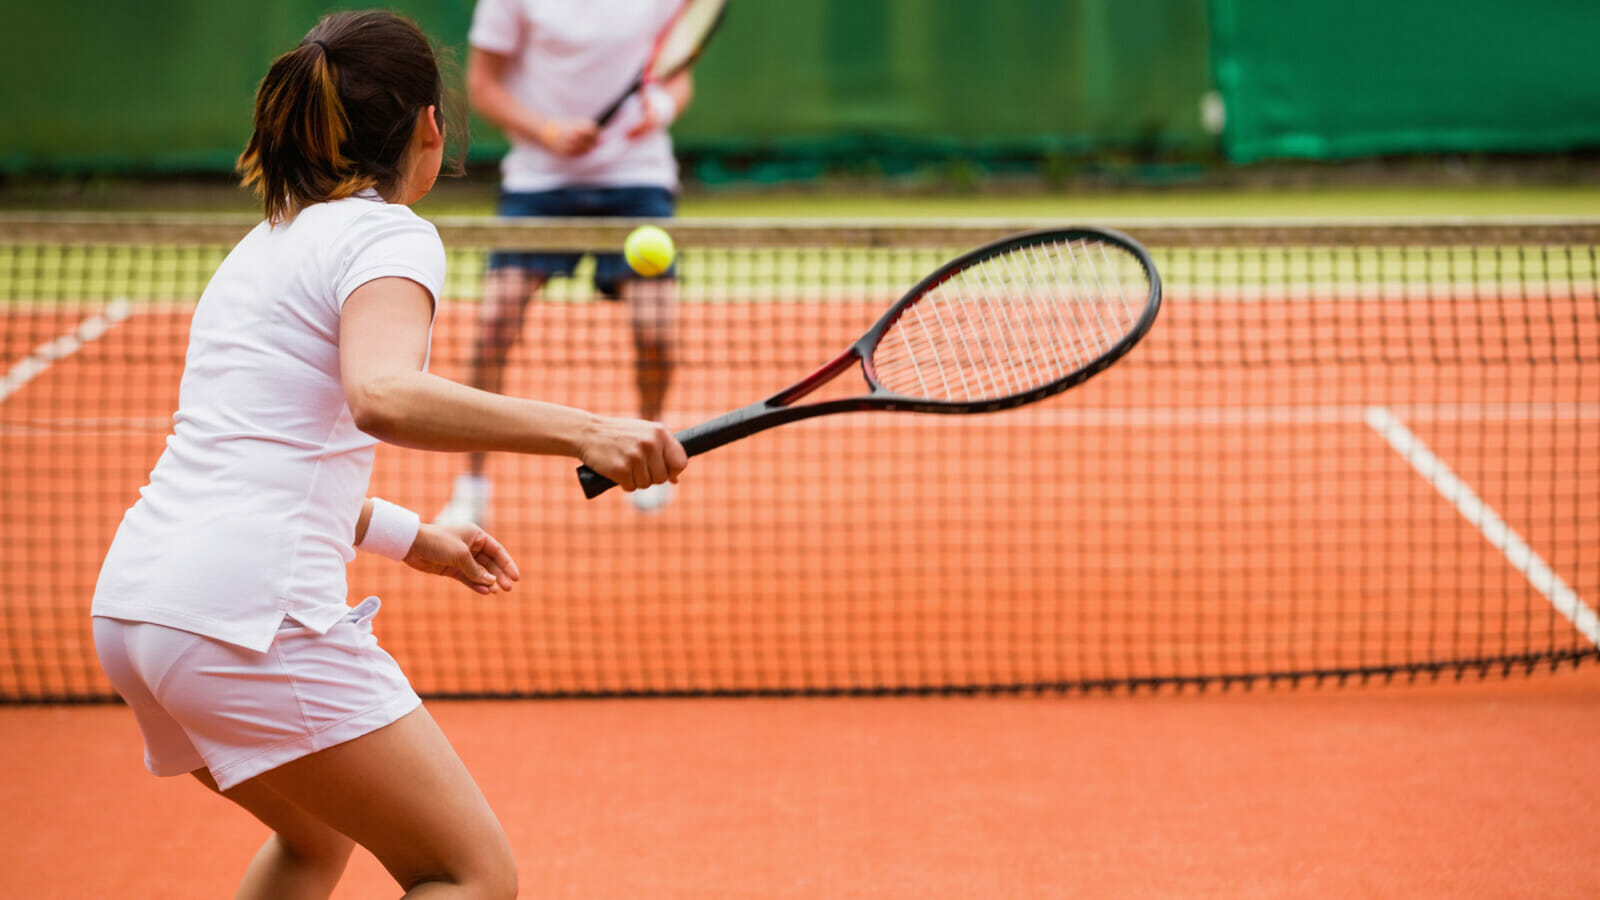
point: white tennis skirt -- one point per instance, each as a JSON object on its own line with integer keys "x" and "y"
{"x": 203, "y": 703}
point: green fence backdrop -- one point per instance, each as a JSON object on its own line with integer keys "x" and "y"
{"x": 1362, "y": 77}
{"x": 97, "y": 86}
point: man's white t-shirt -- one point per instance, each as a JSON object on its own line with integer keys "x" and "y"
{"x": 250, "y": 513}
{"x": 569, "y": 60}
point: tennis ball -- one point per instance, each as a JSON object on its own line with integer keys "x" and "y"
{"x": 649, "y": 250}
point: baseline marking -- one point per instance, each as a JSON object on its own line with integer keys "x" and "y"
{"x": 1516, "y": 550}
{"x": 46, "y": 354}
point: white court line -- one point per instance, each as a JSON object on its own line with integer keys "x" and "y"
{"x": 1543, "y": 578}
{"x": 95, "y": 426}
{"x": 1048, "y": 416}
{"x": 1060, "y": 416}
{"x": 1270, "y": 292}
{"x": 1044, "y": 416}
{"x": 46, "y": 354}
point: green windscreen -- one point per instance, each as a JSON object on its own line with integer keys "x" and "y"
{"x": 1363, "y": 77}
{"x": 886, "y": 85}
{"x": 130, "y": 87}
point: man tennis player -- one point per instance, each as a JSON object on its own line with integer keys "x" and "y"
{"x": 542, "y": 72}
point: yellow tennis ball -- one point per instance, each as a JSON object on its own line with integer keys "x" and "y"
{"x": 649, "y": 250}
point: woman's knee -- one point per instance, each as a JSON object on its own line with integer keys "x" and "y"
{"x": 501, "y": 877}
{"x": 323, "y": 849}
{"x": 490, "y": 875}
{"x": 496, "y": 871}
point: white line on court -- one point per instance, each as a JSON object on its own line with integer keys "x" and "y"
{"x": 1266, "y": 292}
{"x": 1543, "y": 578}
{"x": 46, "y": 354}
{"x": 1044, "y": 416}
{"x": 107, "y": 426}
{"x": 1048, "y": 416}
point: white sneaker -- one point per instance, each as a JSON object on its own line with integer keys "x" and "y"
{"x": 469, "y": 501}
{"x": 652, "y": 498}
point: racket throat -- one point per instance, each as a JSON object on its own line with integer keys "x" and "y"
{"x": 816, "y": 379}
{"x": 775, "y": 410}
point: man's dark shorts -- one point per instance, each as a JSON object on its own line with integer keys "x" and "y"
{"x": 585, "y": 202}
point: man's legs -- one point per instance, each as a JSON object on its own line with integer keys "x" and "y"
{"x": 652, "y": 310}
{"x": 506, "y": 292}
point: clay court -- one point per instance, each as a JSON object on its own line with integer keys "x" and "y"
{"x": 1295, "y": 601}
{"x": 1481, "y": 789}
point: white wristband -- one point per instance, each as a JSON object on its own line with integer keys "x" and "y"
{"x": 391, "y": 530}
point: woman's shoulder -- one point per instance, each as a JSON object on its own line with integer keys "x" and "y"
{"x": 387, "y": 236}
{"x": 359, "y": 221}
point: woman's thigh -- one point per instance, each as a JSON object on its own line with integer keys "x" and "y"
{"x": 404, "y": 794}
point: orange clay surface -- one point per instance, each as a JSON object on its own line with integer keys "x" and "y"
{"x": 1482, "y": 789}
{"x": 1479, "y": 789}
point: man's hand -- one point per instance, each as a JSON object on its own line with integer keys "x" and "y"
{"x": 568, "y": 137}
{"x": 662, "y": 103}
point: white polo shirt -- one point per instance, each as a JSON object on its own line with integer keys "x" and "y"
{"x": 569, "y": 60}
{"x": 250, "y": 512}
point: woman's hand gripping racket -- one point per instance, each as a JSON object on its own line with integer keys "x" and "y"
{"x": 1003, "y": 325}
{"x": 676, "y": 48}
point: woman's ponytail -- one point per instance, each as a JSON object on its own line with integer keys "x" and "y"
{"x": 334, "y": 115}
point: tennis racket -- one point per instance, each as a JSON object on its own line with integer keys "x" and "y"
{"x": 1009, "y": 323}
{"x": 676, "y": 48}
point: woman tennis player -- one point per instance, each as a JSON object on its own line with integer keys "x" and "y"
{"x": 220, "y": 613}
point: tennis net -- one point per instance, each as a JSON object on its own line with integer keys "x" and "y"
{"x": 1345, "y": 451}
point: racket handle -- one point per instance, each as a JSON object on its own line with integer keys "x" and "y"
{"x": 695, "y": 440}
{"x": 730, "y": 427}
{"x": 594, "y": 484}
{"x": 610, "y": 112}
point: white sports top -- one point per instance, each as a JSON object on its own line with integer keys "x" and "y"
{"x": 569, "y": 60}
{"x": 251, "y": 510}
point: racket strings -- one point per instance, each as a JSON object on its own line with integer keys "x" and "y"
{"x": 1014, "y": 322}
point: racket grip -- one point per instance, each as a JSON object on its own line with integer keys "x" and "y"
{"x": 594, "y": 484}
{"x": 711, "y": 435}
{"x": 610, "y": 112}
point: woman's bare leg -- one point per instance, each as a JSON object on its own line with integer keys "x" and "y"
{"x": 402, "y": 793}
{"x": 301, "y": 860}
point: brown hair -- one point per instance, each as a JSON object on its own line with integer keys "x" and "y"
{"x": 335, "y": 115}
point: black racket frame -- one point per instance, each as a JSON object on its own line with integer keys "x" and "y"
{"x": 780, "y": 408}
